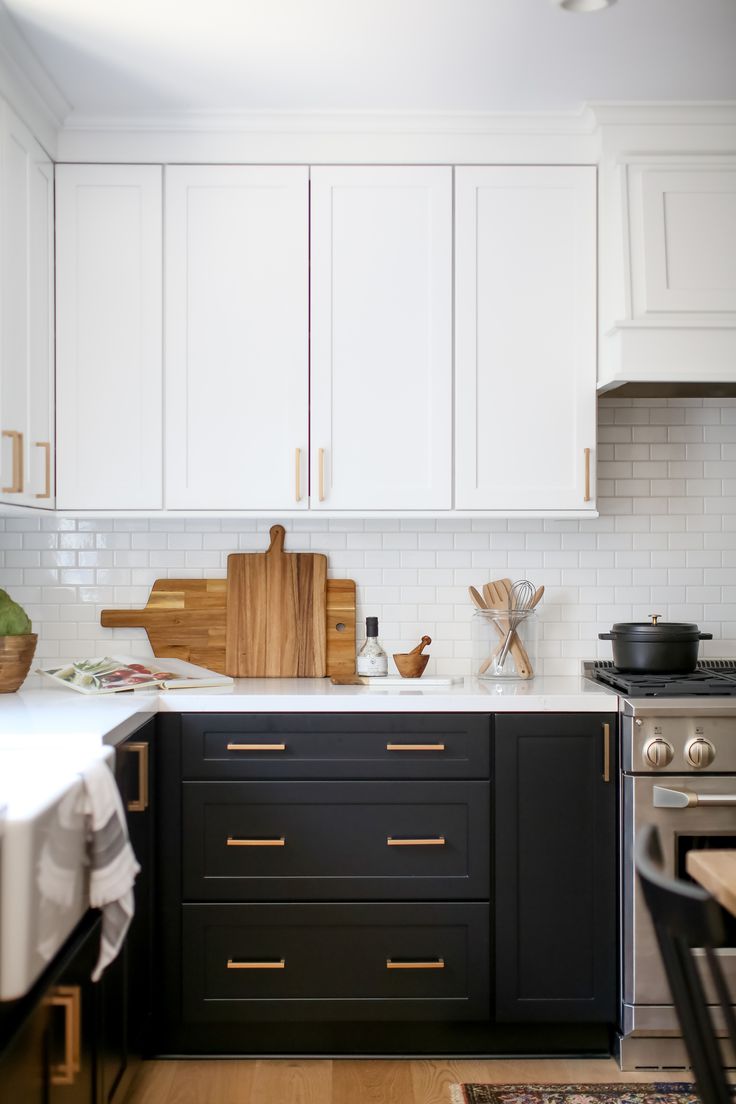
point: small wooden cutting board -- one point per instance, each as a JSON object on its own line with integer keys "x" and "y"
{"x": 340, "y": 627}
{"x": 276, "y": 613}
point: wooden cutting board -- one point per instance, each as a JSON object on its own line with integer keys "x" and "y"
{"x": 184, "y": 619}
{"x": 340, "y": 627}
{"x": 276, "y": 609}
{"x": 175, "y": 626}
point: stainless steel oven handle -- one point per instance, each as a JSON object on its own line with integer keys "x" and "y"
{"x": 665, "y": 798}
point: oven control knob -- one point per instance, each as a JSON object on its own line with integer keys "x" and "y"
{"x": 700, "y": 753}
{"x": 658, "y": 752}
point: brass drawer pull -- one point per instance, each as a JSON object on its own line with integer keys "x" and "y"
{"x": 69, "y": 998}
{"x": 606, "y": 753}
{"x": 46, "y": 446}
{"x": 233, "y": 841}
{"x": 256, "y": 747}
{"x": 139, "y": 804}
{"x": 278, "y": 964}
{"x": 415, "y": 747}
{"x": 16, "y": 481}
{"x": 434, "y": 841}
{"x": 407, "y": 964}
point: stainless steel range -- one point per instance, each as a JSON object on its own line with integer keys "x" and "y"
{"x": 678, "y": 760}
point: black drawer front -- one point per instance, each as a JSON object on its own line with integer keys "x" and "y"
{"x": 355, "y": 745}
{"x": 246, "y": 841}
{"x": 331, "y": 961}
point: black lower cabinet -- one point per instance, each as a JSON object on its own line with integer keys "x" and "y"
{"x": 555, "y": 868}
{"x": 74, "y": 1008}
{"x": 127, "y": 984}
{"x": 371, "y": 884}
{"x": 48, "y": 1039}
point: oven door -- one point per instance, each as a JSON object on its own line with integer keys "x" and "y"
{"x": 682, "y": 828}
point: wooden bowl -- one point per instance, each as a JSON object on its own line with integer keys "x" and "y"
{"x": 16, "y": 656}
{"x": 410, "y": 665}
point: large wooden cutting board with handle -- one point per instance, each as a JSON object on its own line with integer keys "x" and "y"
{"x": 276, "y": 608}
{"x": 184, "y": 618}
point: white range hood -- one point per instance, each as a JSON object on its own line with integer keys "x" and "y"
{"x": 668, "y": 275}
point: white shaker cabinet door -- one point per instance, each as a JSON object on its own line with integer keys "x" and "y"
{"x": 525, "y": 338}
{"x": 26, "y": 317}
{"x": 109, "y": 327}
{"x": 237, "y": 337}
{"x": 381, "y": 333}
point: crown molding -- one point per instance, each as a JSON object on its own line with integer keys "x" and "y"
{"x": 665, "y": 113}
{"x": 579, "y": 121}
{"x": 27, "y": 86}
{"x": 319, "y": 137}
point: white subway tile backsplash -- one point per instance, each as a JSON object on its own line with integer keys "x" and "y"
{"x": 665, "y": 542}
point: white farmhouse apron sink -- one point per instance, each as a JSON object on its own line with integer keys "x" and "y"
{"x": 43, "y": 867}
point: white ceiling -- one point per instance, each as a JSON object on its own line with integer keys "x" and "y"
{"x": 122, "y": 57}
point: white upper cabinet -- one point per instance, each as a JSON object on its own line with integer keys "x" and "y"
{"x": 26, "y": 317}
{"x": 109, "y": 333}
{"x": 381, "y": 338}
{"x": 237, "y": 338}
{"x": 525, "y": 338}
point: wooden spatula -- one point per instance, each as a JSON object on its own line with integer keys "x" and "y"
{"x": 496, "y": 594}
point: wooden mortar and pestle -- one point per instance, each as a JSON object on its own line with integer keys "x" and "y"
{"x": 412, "y": 664}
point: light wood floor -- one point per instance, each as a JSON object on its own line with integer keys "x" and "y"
{"x": 296, "y": 1081}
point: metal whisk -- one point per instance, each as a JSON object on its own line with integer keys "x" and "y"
{"x": 521, "y": 599}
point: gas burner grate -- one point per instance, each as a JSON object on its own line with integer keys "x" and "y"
{"x": 708, "y": 680}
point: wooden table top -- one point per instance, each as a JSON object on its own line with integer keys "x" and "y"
{"x": 716, "y": 872}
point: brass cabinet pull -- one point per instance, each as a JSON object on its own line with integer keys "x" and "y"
{"x": 279, "y": 964}
{"x": 68, "y": 998}
{"x": 321, "y": 470}
{"x": 233, "y": 841}
{"x": 407, "y": 964}
{"x": 298, "y": 474}
{"x": 256, "y": 747}
{"x": 16, "y": 482}
{"x": 46, "y": 445}
{"x": 432, "y": 841}
{"x": 606, "y": 753}
{"x": 586, "y": 497}
{"x": 139, "y": 804}
{"x": 415, "y": 747}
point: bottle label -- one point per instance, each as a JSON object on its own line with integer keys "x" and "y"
{"x": 372, "y": 665}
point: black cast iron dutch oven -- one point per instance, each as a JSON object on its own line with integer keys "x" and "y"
{"x": 655, "y": 647}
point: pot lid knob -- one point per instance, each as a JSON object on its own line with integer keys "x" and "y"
{"x": 654, "y": 617}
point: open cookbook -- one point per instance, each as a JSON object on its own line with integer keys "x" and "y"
{"x": 111, "y": 674}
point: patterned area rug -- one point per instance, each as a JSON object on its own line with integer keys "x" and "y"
{"x": 658, "y": 1092}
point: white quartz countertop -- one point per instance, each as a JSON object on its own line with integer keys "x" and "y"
{"x": 43, "y": 715}
{"x": 559, "y": 695}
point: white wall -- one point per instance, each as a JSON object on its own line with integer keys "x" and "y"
{"x": 665, "y": 542}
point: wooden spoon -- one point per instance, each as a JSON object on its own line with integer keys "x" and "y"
{"x": 476, "y": 598}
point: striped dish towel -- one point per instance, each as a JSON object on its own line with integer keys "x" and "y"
{"x": 113, "y": 865}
